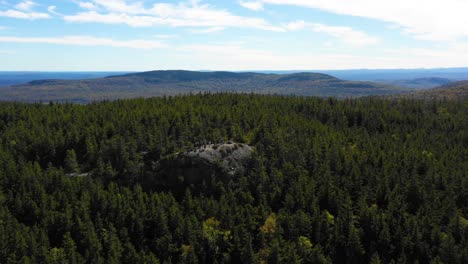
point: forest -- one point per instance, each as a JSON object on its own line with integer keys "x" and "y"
{"x": 368, "y": 180}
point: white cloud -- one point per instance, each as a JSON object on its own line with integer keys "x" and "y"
{"x": 23, "y": 10}
{"x": 87, "y": 5}
{"x": 23, "y": 15}
{"x": 87, "y": 41}
{"x": 346, "y": 34}
{"x": 25, "y": 5}
{"x": 297, "y": 25}
{"x": 52, "y": 10}
{"x": 208, "y": 30}
{"x": 423, "y": 19}
{"x": 111, "y": 18}
{"x": 252, "y": 5}
{"x": 121, "y": 6}
{"x": 328, "y": 44}
{"x": 205, "y": 56}
{"x": 165, "y": 14}
{"x": 220, "y": 56}
{"x": 455, "y": 55}
{"x": 165, "y": 36}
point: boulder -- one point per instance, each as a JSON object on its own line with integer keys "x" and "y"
{"x": 220, "y": 161}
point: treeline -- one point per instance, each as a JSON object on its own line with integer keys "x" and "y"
{"x": 351, "y": 181}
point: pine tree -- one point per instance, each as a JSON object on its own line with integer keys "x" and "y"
{"x": 71, "y": 164}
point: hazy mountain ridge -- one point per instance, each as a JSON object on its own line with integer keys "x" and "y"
{"x": 383, "y": 75}
{"x": 419, "y": 83}
{"x": 160, "y": 83}
{"x": 451, "y": 91}
{"x": 18, "y": 77}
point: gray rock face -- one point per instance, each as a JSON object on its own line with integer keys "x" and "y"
{"x": 231, "y": 157}
{"x": 223, "y": 161}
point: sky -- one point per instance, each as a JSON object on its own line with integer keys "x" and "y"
{"x": 237, "y": 35}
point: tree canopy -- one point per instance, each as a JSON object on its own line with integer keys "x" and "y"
{"x": 331, "y": 181}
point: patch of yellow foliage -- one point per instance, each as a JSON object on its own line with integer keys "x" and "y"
{"x": 270, "y": 226}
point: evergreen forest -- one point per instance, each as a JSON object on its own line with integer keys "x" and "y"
{"x": 368, "y": 180}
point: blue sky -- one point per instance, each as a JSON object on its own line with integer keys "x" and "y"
{"x": 138, "y": 35}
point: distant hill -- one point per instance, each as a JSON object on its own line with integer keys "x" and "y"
{"x": 405, "y": 76}
{"x": 420, "y": 83}
{"x": 382, "y": 75}
{"x": 15, "y": 77}
{"x": 160, "y": 83}
{"x": 451, "y": 91}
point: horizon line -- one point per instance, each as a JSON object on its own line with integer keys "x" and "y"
{"x": 221, "y": 70}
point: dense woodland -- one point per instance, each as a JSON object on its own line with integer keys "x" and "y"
{"x": 331, "y": 181}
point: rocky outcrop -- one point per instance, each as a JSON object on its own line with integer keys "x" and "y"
{"x": 195, "y": 166}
